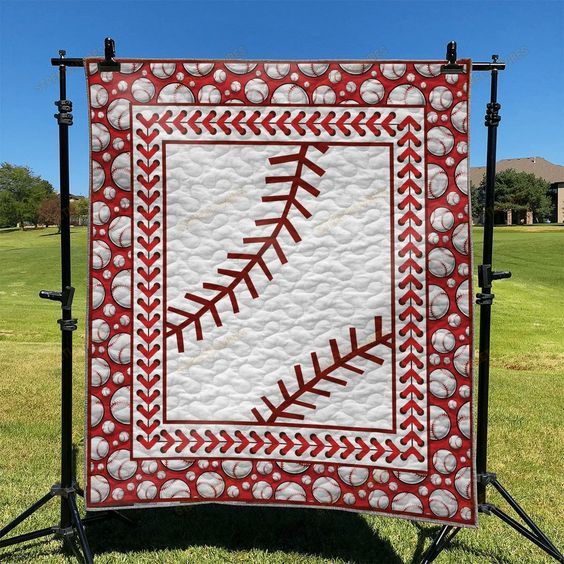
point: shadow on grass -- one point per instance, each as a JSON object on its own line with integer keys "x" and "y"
{"x": 426, "y": 534}
{"x": 326, "y": 534}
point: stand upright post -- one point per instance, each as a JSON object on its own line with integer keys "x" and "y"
{"x": 484, "y": 299}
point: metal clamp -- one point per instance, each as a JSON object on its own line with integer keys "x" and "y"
{"x": 68, "y": 324}
{"x": 109, "y": 63}
{"x": 484, "y": 298}
{"x": 64, "y": 116}
{"x": 59, "y": 490}
{"x": 486, "y": 275}
{"x": 486, "y": 478}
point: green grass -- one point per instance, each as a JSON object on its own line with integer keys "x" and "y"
{"x": 526, "y": 431}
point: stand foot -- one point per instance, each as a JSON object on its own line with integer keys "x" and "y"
{"x": 72, "y": 534}
{"x": 530, "y": 530}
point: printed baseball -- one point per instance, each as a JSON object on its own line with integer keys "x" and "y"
{"x": 393, "y": 71}
{"x": 100, "y": 331}
{"x": 120, "y": 466}
{"x": 439, "y": 423}
{"x": 443, "y": 341}
{"x": 163, "y": 70}
{"x": 461, "y": 360}
{"x": 441, "y": 98}
{"x": 120, "y": 405}
{"x": 118, "y": 114}
{"x": 406, "y": 94}
{"x": 98, "y": 96}
{"x": 443, "y": 503}
{"x": 463, "y": 419}
{"x": 290, "y": 491}
{"x": 100, "y": 137}
{"x": 441, "y": 262}
{"x": 353, "y": 475}
{"x": 99, "y": 448}
{"x": 176, "y": 93}
{"x": 289, "y": 94}
{"x": 442, "y": 383}
{"x": 237, "y": 468}
{"x": 277, "y": 71}
{"x": 377, "y": 499}
{"x": 174, "y": 489}
{"x": 444, "y": 461}
{"x": 326, "y": 490}
{"x": 210, "y": 485}
{"x": 198, "y": 69}
{"x": 256, "y": 91}
{"x": 440, "y": 141}
{"x": 143, "y": 90}
{"x": 372, "y": 91}
{"x": 262, "y": 490}
{"x": 209, "y": 94}
{"x": 405, "y": 502}
{"x": 99, "y": 489}
{"x": 324, "y": 95}
{"x": 120, "y": 231}
{"x": 442, "y": 219}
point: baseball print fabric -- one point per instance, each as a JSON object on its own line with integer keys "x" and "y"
{"x": 280, "y": 291}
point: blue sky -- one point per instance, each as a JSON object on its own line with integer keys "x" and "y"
{"x": 528, "y": 35}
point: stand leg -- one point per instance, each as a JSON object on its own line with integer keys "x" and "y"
{"x": 37, "y": 505}
{"x": 445, "y": 535}
{"x": 521, "y": 512}
{"x": 79, "y": 529}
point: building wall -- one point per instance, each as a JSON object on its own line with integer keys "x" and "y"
{"x": 560, "y": 202}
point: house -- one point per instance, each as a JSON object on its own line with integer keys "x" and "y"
{"x": 538, "y": 166}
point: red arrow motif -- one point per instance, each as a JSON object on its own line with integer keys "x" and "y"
{"x": 192, "y": 122}
{"x": 386, "y": 124}
{"x": 409, "y": 169}
{"x": 409, "y": 121}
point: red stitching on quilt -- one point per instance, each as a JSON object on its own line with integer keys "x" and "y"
{"x": 409, "y": 238}
{"x": 253, "y": 259}
{"x": 304, "y": 445}
{"x": 147, "y": 301}
{"x": 245, "y": 121}
{"x": 323, "y": 377}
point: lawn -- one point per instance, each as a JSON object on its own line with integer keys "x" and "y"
{"x": 526, "y": 428}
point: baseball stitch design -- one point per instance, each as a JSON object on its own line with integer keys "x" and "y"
{"x": 410, "y": 239}
{"x": 284, "y": 409}
{"x": 289, "y": 123}
{"x": 148, "y": 366}
{"x": 243, "y": 275}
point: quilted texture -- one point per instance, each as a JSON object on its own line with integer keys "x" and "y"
{"x": 280, "y": 287}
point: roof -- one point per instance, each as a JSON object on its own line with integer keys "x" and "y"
{"x": 537, "y": 165}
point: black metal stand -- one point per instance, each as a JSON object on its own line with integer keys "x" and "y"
{"x": 486, "y": 276}
{"x": 70, "y": 528}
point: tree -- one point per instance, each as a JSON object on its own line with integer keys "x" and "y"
{"x": 21, "y": 194}
{"x": 516, "y": 191}
{"x": 50, "y": 211}
{"x": 8, "y": 210}
{"x": 477, "y": 197}
{"x": 82, "y": 207}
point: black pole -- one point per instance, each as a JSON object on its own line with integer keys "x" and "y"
{"x": 66, "y": 340}
{"x": 485, "y": 298}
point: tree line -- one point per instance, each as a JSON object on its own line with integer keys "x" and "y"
{"x": 28, "y": 199}
{"x": 515, "y": 191}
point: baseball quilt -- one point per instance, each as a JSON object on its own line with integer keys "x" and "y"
{"x": 280, "y": 297}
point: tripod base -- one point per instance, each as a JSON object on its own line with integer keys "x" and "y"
{"x": 529, "y": 529}
{"x": 72, "y": 533}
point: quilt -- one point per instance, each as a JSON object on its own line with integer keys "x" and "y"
{"x": 280, "y": 291}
